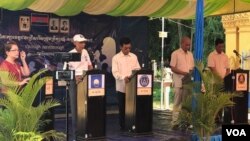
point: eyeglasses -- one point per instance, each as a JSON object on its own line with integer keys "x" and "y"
{"x": 15, "y": 50}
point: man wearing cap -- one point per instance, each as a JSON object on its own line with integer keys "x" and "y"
{"x": 75, "y": 90}
{"x": 85, "y": 64}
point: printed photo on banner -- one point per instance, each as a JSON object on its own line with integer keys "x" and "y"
{"x": 241, "y": 81}
{"x": 54, "y": 25}
{"x": 64, "y": 25}
{"x": 24, "y": 23}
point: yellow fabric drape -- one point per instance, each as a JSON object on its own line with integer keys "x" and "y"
{"x": 186, "y": 12}
{"x": 48, "y": 6}
{"x": 149, "y": 7}
{"x": 97, "y": 7}
{"x": 156, "y": 8}
{"x": 242, "y": 6}
{"x": 228, "y": 8}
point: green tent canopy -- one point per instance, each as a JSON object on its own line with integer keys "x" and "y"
{"x": 176, "y": 9}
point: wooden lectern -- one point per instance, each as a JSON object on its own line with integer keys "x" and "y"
{"x": 139, "y": 102}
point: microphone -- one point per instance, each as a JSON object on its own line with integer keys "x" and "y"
{"x": 90, "y": 40}
{"x": 33, "y": 54}
{"x": 138, "y": 50}
{"x": 236, "y": 53}
{"x": 90, "y": 50}
{"x": 43, "y": 54}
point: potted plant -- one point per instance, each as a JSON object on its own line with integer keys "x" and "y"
{"x": 200, "y": 109}
{"x": 19, "y": 120}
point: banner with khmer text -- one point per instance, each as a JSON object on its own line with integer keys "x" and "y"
{"x": 38, "y": 33}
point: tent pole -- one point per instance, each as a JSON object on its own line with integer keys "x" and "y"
{"x": 162, "y": 61}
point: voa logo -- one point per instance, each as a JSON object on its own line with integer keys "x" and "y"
{"x": 236, "y": 132}
{"x": 144, "y": 81}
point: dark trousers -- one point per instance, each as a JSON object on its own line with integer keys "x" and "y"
{"x": 121, "y": 104}
{"x": 73, "y": 106}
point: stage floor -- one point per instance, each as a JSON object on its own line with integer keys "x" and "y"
{"x": 161, "y": 128}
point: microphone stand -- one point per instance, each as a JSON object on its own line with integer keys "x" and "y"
{"x": 143, "y": 61}
{"x": 142, "y": 57}
{"x": 241, "y": 58}
{"x": 66, "y": 105}
{"x": 67, "y": 57}
{"x": 241, "y": 61}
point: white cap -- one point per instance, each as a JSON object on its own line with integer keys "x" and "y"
{"x": 79, "y": 38}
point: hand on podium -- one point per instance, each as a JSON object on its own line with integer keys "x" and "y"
{"x": 127, "y": 79}
{"x": 78, "y": 79}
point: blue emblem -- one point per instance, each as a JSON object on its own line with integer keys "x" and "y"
{"x": 144, "y": 81}
{"x": 96, "y": 81}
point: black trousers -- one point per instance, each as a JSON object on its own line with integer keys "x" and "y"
{"x": 121, "y": 104}
{"x": 73, "y": 106}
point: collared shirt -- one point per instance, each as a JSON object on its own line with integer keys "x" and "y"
{"x": 183, "y": 61}
{"x": 218, "y": 61}
{"x": 79, "y": 66}
{"x": 122, "y": 66}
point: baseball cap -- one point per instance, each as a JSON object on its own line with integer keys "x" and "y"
{"x": 79, "y": 38}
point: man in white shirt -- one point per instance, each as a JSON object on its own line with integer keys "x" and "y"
{"x": 182, "y": 64}
{"x": 122, "y": 65}
{"x": 76, "y": 87}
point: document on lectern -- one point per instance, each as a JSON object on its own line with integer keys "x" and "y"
{"x": 144, "y": 84}
{"x": 96, "y": 85}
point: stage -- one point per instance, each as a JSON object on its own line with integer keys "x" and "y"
{"x": 161, "y": 128}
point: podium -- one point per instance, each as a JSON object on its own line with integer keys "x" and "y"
{"x": 91, "y": 109}
{"x": 139, "y": 102}
{"x": 46, "y": 93}
{"x": 237, "y": 80}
